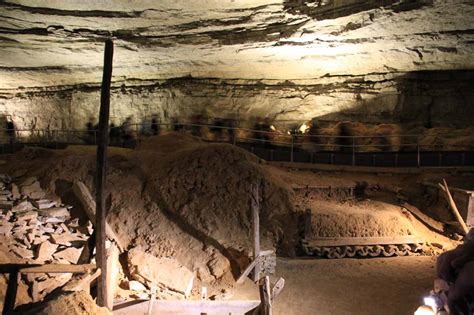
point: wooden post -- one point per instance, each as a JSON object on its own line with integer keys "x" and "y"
{"x": 255, "y": 205}
{"x": 454, "y": 208}
{"x": 308, "y": 234}
{"x": 10, "y": 295}
{"x": 265, "y": 296}
{"x": 470, "y": 211}
{"x": 101, "y": 254}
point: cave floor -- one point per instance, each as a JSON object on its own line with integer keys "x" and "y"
{"x": 354, "y": 286}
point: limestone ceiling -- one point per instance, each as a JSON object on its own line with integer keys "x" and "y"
{"x": 50, "y": 43}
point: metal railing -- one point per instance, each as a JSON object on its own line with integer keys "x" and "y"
{"x": 131, "y": 134}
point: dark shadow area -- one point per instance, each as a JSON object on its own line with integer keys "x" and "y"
{"x": 332, "y": 9}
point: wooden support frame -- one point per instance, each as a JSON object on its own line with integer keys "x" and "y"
{"x": 101, "y": 253}
{"x": 453, "y": 206}
{"x": 255, "y": 206}
{"x": 14, "y": 271}
{"x": 265, "y": 296}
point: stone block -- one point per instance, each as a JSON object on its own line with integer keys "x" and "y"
{"x": 70, "y": 254}
{"x": 45, "y": 251}
{"x": 164, "y": 272}
{"x": 59, "y": 212}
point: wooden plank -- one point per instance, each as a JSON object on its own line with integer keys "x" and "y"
{"x": 10, "y": 295}
{"x": 82, "y": 282}
{"x": 101, "y": 214}
{"x": 82, "y": 193}
{"x": 187, "y": 307}
{"x": 247, "y": 271}
{"x": 428, "y": 221}
{"x": 265, "y": 296}
{"x": 59, "y": 268}
{"x": 277, "y": 288}
{"x": 255, "y": 205}
{"x": 47, "y": 268}
{"x": 453, "y": 207}
{"x": 152, "y": 299}
{"x": 361, "y": 241}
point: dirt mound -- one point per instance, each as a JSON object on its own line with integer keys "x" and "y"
{"x": 74, "y": 303}
{"x": 209, "y": 187}
{"x": 366, "y": 219}
{"x": 176, "y": 197}
{"x": 170, "y": 142}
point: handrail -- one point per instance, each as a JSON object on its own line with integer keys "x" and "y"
{"x": 144, "y": 129}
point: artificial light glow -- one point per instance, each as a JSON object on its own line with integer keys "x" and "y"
{"x": 304, "y": 128}
{"x": 424, "y": 310}
{"x": 430, "y": 301}
{"x": 272, "y": 128}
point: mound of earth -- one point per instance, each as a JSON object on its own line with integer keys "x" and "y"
{"x": 74, "y": 303}
{"x": 176, "y": 197}
{"x": 362, "y": 219}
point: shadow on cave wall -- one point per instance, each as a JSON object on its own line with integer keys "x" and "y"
{"x": 434, "y": 107}
{"x": 332, "y": 9}
{"x": 424, "y": 98}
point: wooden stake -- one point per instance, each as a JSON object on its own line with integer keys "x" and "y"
{"x": 265, "y": 296}
{"x": 10, "y": 295}
{"x": 101, "y": 254}
{"x": 454, "y": 208}
{"x": 255, "y": 205}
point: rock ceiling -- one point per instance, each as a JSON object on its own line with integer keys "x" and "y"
{"x": 53, "y": 43}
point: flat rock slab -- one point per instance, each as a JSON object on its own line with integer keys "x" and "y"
{"x": 70, "y": 254}
{"x": 24, "y": 205}
{"x": 26, "y": 215}
{"x": 44, "y": 203}
{"x": 60, "y": 212}
{"x": 45, "y": 251}
{"x": 165, "y": 272}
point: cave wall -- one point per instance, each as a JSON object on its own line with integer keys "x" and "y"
{"x": 428, "y": 98}
{"x": 407, "y": 61}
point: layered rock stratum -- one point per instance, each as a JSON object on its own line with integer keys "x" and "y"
{"x": 364, "y": 60}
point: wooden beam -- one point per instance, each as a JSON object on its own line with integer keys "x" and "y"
{"x": 10, "y": 295}
{"x": 101, "y": 214}
{"x": 247, "y": 271}
{"x": 428, "y": 221}
{"x": 255, "y": 206}
{"x": 453, "y": 207}
{"x": 187, "y": 307}
{"x": 82, "y": 283}
{"x": 348, "y": 241}
{"x": 88, "y": 204}
{"x": 47, "y": 268}
{"x": 265, "y": 296}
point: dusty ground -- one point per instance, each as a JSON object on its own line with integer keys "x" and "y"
{"x": 354, "y": 286}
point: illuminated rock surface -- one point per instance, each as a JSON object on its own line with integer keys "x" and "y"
{"x": 288, "y": 60}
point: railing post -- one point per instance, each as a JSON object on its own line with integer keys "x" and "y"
{"x": 353, "y": 152}
{"x": 418, "y": 159}
{"x": 292, "y": 148}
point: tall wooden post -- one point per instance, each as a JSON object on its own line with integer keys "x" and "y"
{"x": 101, "y": 257}
{"x": 255, "y": 205}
